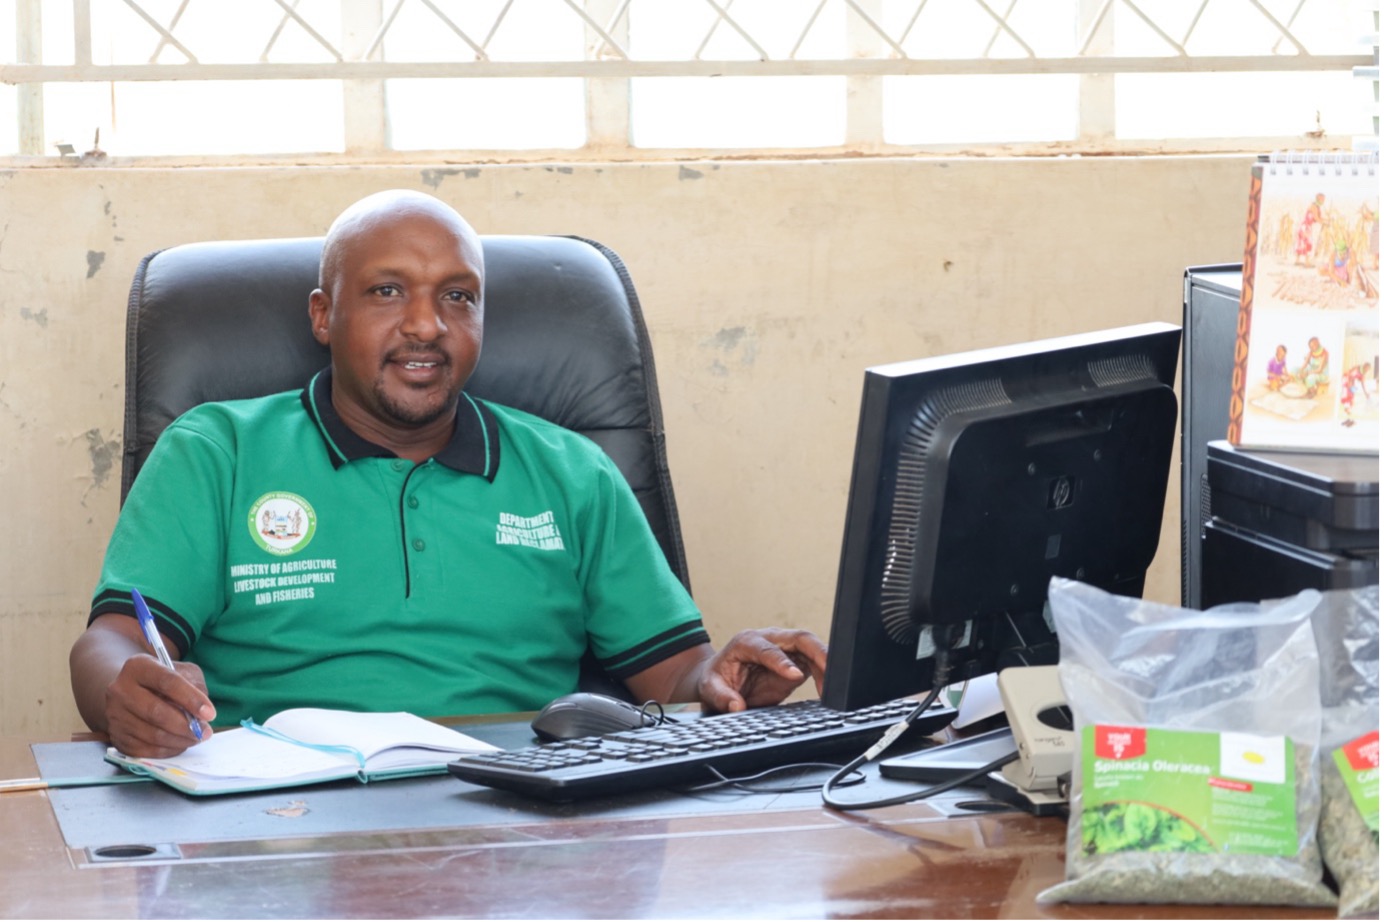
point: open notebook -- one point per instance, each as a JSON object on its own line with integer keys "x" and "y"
{"x": 308, "y": 746}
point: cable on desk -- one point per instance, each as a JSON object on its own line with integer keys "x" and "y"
{"x": 885, "y": 741}
{"x": 943, "y": 638}
{"x": 747, "y": 783}
{"x": 924, "y": 794}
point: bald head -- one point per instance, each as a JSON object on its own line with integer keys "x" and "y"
{"x": 401, "y": 307}
{"x": 376, "y": 214}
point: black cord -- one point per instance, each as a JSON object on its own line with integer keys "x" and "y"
{"x": 746, "y": 783}
{"x": 649, "y": 719}
{"x": 885, "y": 741}
{"x": 913, "y": 795}
{"x": 941, "y": 670}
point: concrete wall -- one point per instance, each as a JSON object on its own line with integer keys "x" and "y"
{"x": 769, "y": 287}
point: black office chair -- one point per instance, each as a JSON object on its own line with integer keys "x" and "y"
{"x": 564, "y": 339}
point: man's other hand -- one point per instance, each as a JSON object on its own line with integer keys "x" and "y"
{"x": 761, "y": 667}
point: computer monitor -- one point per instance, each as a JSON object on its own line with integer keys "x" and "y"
{"x": 980, "y": 476}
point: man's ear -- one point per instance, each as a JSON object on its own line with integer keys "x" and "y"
{"x": 319, "y": 309}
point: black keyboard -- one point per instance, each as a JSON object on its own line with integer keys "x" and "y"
{"x": 685, "y": 751}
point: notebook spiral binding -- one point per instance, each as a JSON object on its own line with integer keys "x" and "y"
{"x": 1319, "y": 163}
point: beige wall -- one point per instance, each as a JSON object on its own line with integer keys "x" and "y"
{"x": 769, "y": 287}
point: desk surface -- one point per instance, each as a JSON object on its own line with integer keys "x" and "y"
{"x": 794, "y": 861}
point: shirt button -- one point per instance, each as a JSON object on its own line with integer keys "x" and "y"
{"x": 399, "y": 464}
{"x": 413, "y": 502}
{"x": 419, "y": 544}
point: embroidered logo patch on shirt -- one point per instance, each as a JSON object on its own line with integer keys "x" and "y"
{"x": 536, "y": 531}
{"x": 282, "y": 523}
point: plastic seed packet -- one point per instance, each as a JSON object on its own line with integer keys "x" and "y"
{"x": 1346, "y": 624}
{"x": 1198, "y": 732}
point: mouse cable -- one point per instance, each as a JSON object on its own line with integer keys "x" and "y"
{"x": 747, "y": 784}
{"x": 649, "y": 719}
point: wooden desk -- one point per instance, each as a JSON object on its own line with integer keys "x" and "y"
{"x": 904, "y": 862}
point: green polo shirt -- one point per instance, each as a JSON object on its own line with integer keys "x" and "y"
{"x": 299, "y": 564}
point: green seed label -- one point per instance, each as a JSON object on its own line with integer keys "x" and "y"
{"x": 1358, "y": 762}
{"x": 1151, "y": 790}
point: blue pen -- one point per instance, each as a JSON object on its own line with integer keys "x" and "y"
{"x": 151, "y": 637}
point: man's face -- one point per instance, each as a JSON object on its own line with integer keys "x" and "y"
{"x": 403, "y": 315}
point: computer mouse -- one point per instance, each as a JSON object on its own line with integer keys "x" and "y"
{"x": 586, "y": 714}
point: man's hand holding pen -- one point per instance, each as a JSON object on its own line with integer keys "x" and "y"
{"x": 155, "y": 707}
{"x": 154, "y": 640}
{"x": 148, "y": 704}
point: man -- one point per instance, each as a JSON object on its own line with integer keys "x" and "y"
{"x": 443, "y": 555}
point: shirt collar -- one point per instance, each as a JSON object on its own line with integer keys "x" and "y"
{"x": 473, "y": 449}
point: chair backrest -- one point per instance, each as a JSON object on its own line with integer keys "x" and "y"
{"x": 564, "y": 339}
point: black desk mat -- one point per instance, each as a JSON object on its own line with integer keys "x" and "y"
{"x": 152, "y": 814}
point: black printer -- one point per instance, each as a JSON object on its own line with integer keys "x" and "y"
{"x": 1281, "y": 522}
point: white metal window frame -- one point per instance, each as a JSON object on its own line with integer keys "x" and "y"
{"x": 874, "y": 48}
